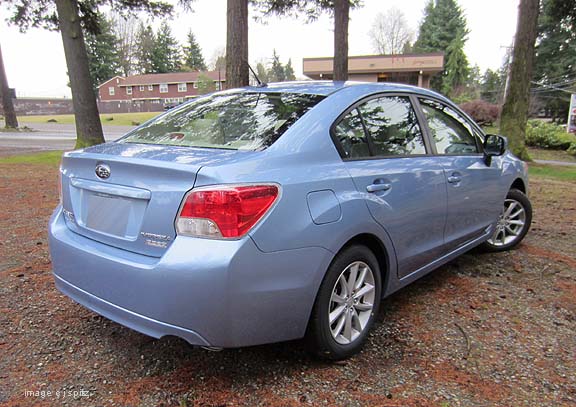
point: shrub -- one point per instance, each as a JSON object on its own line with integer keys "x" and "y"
{"x": 483, "y": 113}
{"x": 548, "y": 135}
{"x": 109, "y": 119}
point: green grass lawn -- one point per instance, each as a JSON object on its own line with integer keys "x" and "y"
{"x": 118, "y": 119}
{"x": 46, "y": 157}
{"x": 563, "y": 173}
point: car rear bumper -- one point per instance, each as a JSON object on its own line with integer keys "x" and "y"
{"x": 222, "y": 293}
{"x": 133, "y": 320}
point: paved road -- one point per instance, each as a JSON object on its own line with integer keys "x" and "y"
{"x": 552, "y": 162}
{"x": 52, "y": 136}
{"x": 55, "y": 136}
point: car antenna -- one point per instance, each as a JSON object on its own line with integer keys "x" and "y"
{"x": 260, "y": 83}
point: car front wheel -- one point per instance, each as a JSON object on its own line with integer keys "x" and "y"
{"x": 513, "y": 223}
{"x": 347, "y": 302}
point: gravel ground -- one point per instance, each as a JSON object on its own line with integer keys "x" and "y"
{"x": 484, "y": 330}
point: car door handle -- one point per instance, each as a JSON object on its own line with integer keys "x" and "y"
{"x": 454, "y": 179}
{"x": 377, "y": 187}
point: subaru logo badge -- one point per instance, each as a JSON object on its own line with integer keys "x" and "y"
{"x": 102, "y": 171}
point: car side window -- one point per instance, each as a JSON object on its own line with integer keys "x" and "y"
{"x": 350, "y": 133}
{"x": 449, "y": 131}
{"x": 393, "y": 127}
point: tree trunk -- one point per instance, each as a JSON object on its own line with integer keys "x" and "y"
{"x": 515, "y": 110}
{"x": 341, "y": 17}
{"x": 7, "y": 105}
{"x": 237, "y": 44}
{"x": 88, "y": 125}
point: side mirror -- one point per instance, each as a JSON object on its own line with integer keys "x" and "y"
{"x": 494, "y": 146}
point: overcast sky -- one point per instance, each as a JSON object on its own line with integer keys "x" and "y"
{"x": 35, "y": 62}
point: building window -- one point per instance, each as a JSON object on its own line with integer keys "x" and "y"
{"x": 195, "y": 85}
{"x": 141, "y": 88}
{"x": 150, "y": 87}
{"x": 163, "y": 88}
{"x": 217, "y": 85}
{"x": 128, "y": 90}
{"x": 111, "y": 91}
{"x": 182, "y": 87}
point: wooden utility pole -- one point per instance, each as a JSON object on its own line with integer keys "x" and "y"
{"x": 10, "y": 119}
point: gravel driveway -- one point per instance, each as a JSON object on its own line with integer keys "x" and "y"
{"x": 484, "y": 330}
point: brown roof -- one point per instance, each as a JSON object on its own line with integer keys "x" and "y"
{"x": 176, "y": 77}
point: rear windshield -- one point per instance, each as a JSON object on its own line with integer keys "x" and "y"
{"x": 236, "y": 121}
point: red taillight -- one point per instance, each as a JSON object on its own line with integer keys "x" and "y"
{"x": 224, "y": 211}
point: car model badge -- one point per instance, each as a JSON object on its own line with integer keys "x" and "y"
{"x": 103, "y": 171}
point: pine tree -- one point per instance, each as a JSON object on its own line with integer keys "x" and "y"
{"x": 277, "y": 73}
{"x": 10, "y": 119}
{"x": 289, "y": 71}
{"x": 456, "y": 70}
{"x": 555, "y": 61}
{"x": 492, "y": 86}
{"x": 165, "y": 55}
{"x": 444, "y": 30}
{"x": 262, "y": 72}
{"x": 102, "y": 49}
{"x": 193, "y": 58}
{"x": 145, "y": 40}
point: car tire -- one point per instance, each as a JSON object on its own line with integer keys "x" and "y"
{"x": 513, "y": 223}
{"x": 353, "y": 281}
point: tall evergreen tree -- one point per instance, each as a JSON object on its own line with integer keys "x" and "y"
{"x": 237, "y": 44}
{"x": 276, "y": 73}
{"x": 443, "y": 29}
{"x": 10, "y": 119}
{"x": 145, "y": 43}
{"x": 289, "y": 71}
{"x": 102, "y": 49}
{"x": 492, "y": 86}
{"x": 456, "y": 69}
{"x": 262, "y": 72}
{"x": 555, "y": 61}
{"x": 515, "y": 110}
{"x": 338, "y": 9}
{"x": 166, "y": 55}
{"x": 71, "y": 18}
{"x": 193, "y": 58}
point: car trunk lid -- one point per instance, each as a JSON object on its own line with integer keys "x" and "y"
{"x": 128, "y": 195}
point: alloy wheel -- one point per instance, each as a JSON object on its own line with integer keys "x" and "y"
{"x": 351, "y": 302}
{"x": 510, "y": 224}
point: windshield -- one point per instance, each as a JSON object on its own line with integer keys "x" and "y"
{"x": 236, "y": 121}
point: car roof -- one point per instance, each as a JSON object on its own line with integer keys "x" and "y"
{"x": 326, "y": 88}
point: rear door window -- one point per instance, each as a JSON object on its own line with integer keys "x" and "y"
{"x": 393, "y": 127}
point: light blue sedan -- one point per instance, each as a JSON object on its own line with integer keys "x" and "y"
{"x": 279, "y": 212}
